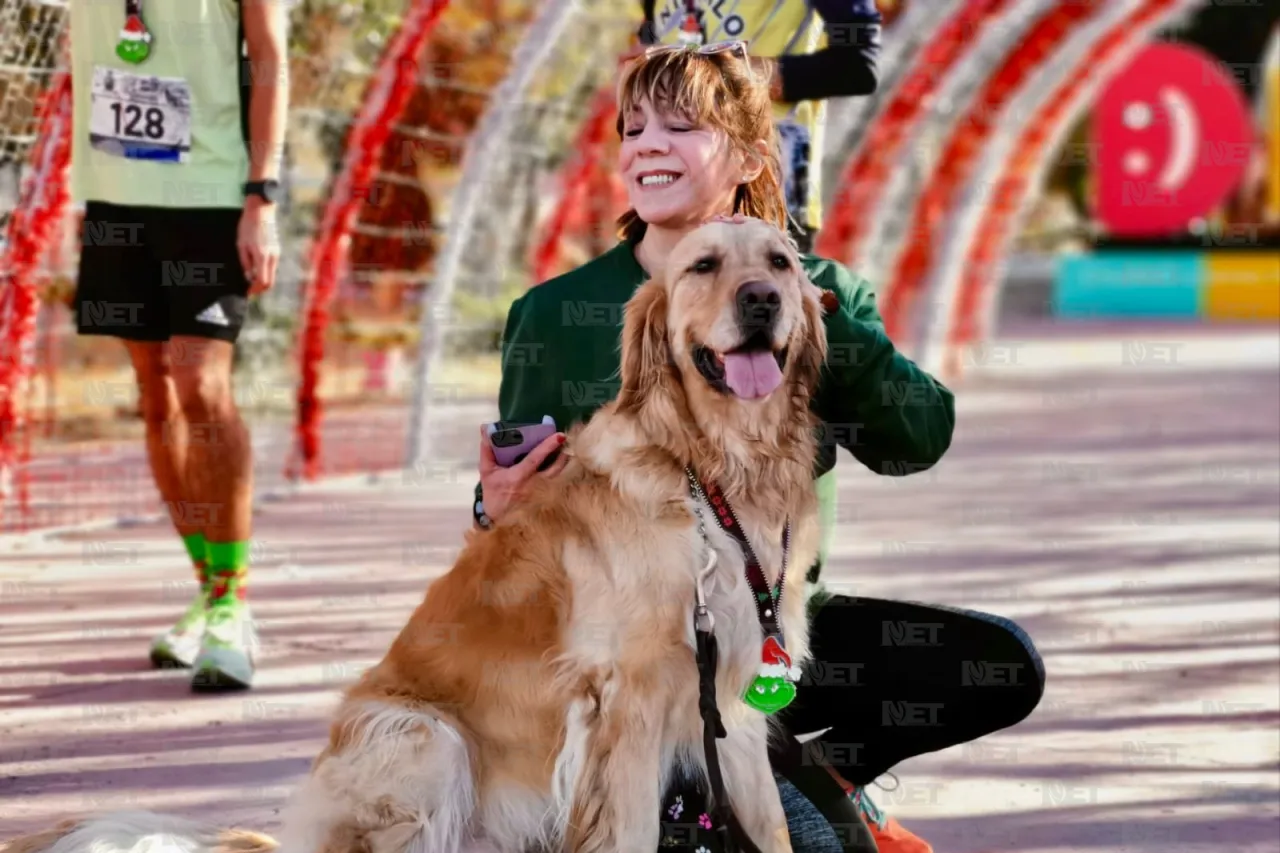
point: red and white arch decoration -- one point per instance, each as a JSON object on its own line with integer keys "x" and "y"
{"x": 862, "y": 182}
{"x": 491, "y": 138}
{"x": 1058, "y": 48}
{"x": 915, "y": 26}
{"x": 583, "y": 187}
{"x": 31, "y": 236}
{"x": 388, "y": 93}
{"x": 933, "y": 212}
{"x": 974, "y": 261}
{"x": 889, "y": 233}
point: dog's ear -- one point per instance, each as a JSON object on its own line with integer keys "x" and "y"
{"x": 646, "y": 354}
{"x": 813, "y": 355}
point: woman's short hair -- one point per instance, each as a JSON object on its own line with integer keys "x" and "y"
{"x": 711, "y": 89}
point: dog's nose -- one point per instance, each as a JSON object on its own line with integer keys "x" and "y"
{"x": 758, "y": 305}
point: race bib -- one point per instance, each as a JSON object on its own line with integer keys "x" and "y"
{"x": 140, "y": 116}
{"x": 793, "y": 139}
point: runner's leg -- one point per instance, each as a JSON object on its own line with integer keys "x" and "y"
{"x": 208, "y": 305}
{"x": 119, "y": 293}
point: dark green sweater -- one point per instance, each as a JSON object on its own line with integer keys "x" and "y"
{"x": 560, "y": 357}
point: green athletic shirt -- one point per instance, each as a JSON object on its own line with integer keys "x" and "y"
{"x": 194, "y": 52}
{"x": 561, "y": 357}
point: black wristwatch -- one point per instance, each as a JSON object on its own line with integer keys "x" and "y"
{"x": 268, "y": 191}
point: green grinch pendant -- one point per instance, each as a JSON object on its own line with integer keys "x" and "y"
{"x": 774, "y": 686}
{"x": 135, "y": 40}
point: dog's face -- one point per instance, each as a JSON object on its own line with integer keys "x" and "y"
{"x": 737, "y": 297}
{"x": 734, "y": 314}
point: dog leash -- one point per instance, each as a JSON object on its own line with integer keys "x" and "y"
{"x": 774, "y": 686}
{"x": 729, "y": 832}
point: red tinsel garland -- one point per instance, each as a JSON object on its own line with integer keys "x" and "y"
{"x": 997, "y": 223}
{"x": 389, "y": 91}
{"x": 577, "y": 180}
{"x": 955, "y": 164}
{"x": 33, "y": 225}
{"x": 868, "y": 172}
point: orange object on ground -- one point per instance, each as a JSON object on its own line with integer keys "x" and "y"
{"x": 890, "y": 836}
{"x": 893, "y": 838}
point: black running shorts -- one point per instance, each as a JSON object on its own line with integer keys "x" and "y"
{"x": 150, "y": 273}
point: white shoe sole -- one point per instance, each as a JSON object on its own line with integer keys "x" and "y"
{"x": 222, "y": 669}
{"x": 168, "y": 652}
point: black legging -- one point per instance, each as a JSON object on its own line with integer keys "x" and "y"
{"x": 892, "y": 680}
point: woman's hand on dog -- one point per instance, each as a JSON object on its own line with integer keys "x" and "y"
{"x": 504, "y": 486}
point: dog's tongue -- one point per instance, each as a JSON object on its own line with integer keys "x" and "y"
{"x": 751, "y": 375}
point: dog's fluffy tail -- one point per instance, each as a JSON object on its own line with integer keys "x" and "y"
{"x": 139, "y": 832}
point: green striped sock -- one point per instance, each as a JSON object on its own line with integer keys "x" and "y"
{"x": 199, "y": 551}
{"x": 227, "y": 570}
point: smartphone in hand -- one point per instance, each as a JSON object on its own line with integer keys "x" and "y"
{"x": 511, "y": 443}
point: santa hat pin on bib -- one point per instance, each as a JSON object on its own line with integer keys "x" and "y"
{"x": 135, "y": 40}
{"x": 690, "y": 34}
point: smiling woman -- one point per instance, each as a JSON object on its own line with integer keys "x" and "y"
{"x": 691, "y": 144}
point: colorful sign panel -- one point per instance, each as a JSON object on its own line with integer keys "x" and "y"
{"x": 1173, "y": 138}
{"x": 1239, "y": 286}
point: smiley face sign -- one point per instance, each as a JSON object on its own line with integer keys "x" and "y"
{"x": 1173, "y": 139}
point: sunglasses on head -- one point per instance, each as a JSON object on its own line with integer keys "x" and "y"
{"x": 737, "y": 48}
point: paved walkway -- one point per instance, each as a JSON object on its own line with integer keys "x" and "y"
{"x": 1125, "y": 510}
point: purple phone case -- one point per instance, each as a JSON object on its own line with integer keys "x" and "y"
{"x": 533, "y": 435}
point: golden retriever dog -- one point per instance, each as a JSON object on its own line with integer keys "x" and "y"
{"x": 545, "y": 691}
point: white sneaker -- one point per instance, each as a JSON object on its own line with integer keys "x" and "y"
{"x": 177, "y": 648}
{"x": 225, "y": 659}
